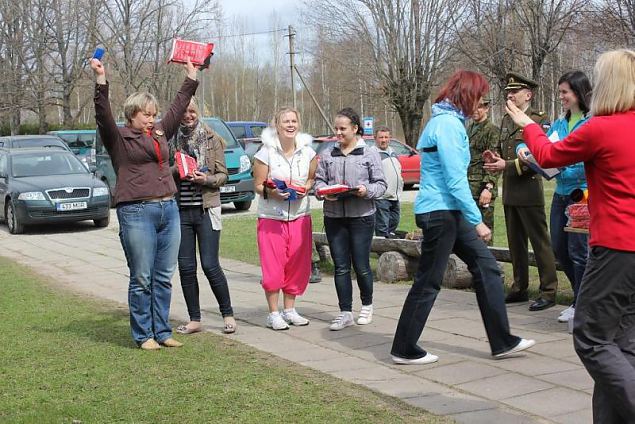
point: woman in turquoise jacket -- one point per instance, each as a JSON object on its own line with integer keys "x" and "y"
{"x": 571, "y": 249}
{"x": 451, "y": 222}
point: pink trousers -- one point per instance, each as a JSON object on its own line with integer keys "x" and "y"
{"x": 285, "y": 254}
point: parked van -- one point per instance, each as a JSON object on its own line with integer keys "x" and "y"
{"x": 81, "y": 142}
{"x": 239, "y": 189}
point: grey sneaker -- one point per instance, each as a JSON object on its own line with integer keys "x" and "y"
{"x": 275, "y": 321}
{"x": 343, "y": 320}
{"x": 294, "y": 318}
{"x": 365, "y": 315}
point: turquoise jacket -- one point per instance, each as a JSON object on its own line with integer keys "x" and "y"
{"x": 445, "y": 156}
{"x": 572, "y": 176}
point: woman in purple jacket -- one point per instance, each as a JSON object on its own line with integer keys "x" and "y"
{"x": 349, "y": 220}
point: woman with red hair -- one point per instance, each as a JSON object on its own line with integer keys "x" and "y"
{"x": 451, "y": 222}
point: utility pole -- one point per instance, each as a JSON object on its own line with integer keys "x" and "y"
{"x": 292, "y": 61}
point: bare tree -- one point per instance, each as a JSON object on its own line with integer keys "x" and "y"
{"x": 409, "y": 42}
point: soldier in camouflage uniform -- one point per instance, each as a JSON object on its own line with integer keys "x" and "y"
{"x": 524, "y": 202}
{"x": 483, "y": 135}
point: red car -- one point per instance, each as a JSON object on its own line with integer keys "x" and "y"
{"x": 407, "y": 156}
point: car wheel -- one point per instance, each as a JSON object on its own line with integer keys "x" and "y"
{"x": 14, "y": 224}
{"x": 242, "y": 206}
{"x": 103, "y": 222}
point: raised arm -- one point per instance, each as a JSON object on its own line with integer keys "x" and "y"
{"x": 172, "y": 117}
{"x": 103, "y": 115}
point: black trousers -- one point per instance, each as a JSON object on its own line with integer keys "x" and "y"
{"x": 197, "y": 226}
{"x": 445, "y": 232}
{"x": 604, "y": 333}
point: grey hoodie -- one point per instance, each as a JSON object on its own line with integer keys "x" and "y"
{"x": 362, "y": 166}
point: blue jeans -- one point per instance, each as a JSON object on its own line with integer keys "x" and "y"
{"x": 349, "y": 240}
{"x": 150, "y": 234}
{"x": 196, "y": 224}
{"x": 571, "y": 249}
{"x": 445, "y": 232}
{"x": 386, "y": 217}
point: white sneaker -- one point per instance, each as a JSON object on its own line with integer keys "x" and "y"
{"x": 365, "y": 315}
{"x": 291, "y": 316}
{"x": 343, "y": 320}
{"x": 428, "y": 359}
{"x": 567, "y": 314}
{"x": 275, "y": 321}
{"x": 522, "y": 345}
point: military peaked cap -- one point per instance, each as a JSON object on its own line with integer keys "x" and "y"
{"x": 516, "y": 82}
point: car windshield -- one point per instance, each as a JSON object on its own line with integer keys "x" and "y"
{"x": 46, "y": 163}
{"x": 319, "y": 145}
{"x": 37, "y": 142}
{"x": 222, "y": 130}
{"x": 78, "y": 141}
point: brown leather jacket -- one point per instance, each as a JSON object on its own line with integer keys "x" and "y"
{"x": 141, "y": 172}
{"x": 216, "y": 170}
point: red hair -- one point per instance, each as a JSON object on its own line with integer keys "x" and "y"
{"x": 464, "y": 89}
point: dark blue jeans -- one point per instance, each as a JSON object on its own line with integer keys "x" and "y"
{"x": 445, "y": 232}
{"x": 196, "y": 225}
{"x": 149, "y": 234}
{"x": 349, "y": 240}
{"x": 386, "y": 217}
{"x": 571, "y": 249}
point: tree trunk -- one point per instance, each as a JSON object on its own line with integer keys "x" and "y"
{"x": 411, "y": 123}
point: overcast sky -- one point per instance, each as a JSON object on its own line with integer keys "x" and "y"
{"x": 257, "y": 12}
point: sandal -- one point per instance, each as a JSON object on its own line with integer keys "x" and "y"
{"x": 230, "y": 325}
{"x": 182, "y": 329}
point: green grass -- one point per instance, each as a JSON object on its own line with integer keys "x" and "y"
{"x": 239, "y": 241}
{"x": 68, "y": 358}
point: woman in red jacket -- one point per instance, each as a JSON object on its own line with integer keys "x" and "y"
{"x": 604, "y": 323}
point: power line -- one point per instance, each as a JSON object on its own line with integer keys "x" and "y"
{"x": 252, "y": 33}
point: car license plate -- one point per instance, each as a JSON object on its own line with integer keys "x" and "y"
{"x": 228, "y": 189}
{"x": 73, "y": 206}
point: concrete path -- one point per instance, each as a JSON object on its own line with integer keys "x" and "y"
{"x": 546, "y": 385}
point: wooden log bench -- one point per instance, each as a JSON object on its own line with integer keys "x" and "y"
{"x": 398, "y": 260}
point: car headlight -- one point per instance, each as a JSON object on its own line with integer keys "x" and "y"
{"x": 100, "y": 191}
{"x": 32, "y": 195}
{"x": 245, "y": 164}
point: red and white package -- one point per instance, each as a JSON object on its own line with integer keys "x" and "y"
{"x": 185, "y": 163}
{"x": 198, "y": 53}
{"x": 334, "y": 189}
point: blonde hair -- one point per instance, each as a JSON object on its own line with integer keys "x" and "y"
{"x": 614, "y": 89}
{"x": 138, "y": 102}
{"x": 278, "y": 116}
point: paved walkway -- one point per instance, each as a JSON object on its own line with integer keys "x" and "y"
{"x": 546, "y": 385}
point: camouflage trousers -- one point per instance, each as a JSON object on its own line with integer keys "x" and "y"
{"x": 488, "y": 218}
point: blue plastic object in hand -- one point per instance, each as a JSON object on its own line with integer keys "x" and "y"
{"x": 282, "y": 186}
{"x": 99, "y": 53}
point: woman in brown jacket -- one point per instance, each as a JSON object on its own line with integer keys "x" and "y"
{"x": 200, "y": 208}
{"x": 144, "y": 196}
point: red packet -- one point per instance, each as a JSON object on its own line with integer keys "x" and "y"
{"x": 185, "y": 163}
{"x": 198, "y": 53}
{"x": 334, "y": 189}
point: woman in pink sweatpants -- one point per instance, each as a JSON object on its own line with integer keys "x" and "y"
{"x": 284, "y": 221}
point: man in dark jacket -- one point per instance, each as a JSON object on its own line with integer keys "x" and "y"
{"x": 524, "y": 202}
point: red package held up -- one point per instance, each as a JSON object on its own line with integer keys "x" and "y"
{"x": 185, "y": 163}
{"x": 198, "y": 53}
